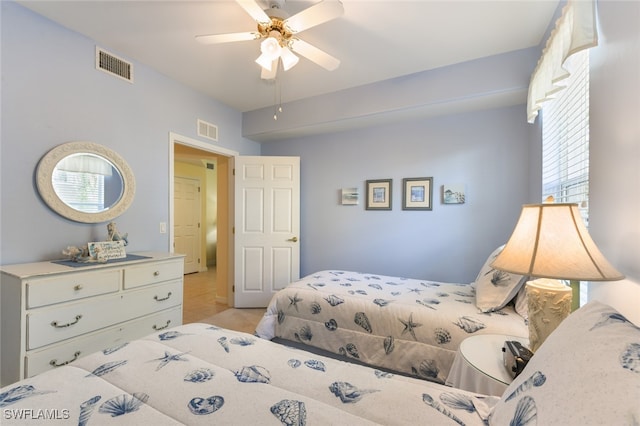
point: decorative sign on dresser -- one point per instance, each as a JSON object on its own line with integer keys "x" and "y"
{"x": 56, "y": 312}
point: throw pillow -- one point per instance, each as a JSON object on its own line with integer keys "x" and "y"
{"x": 587, "y": 372}
{"x": 494, "y": 288}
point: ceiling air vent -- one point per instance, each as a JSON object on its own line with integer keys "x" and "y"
{"x": 207, "y": 130}
{"x": 113, "y": 65}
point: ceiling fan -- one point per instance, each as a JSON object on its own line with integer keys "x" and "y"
{"x": 278, "y": 32}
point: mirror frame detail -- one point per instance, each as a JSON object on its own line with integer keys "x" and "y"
{"x": 48, "y": 163}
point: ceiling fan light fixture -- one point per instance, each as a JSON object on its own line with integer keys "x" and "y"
{"x": 270, "y": 47}
{"x": 289, "y": 59}
{"x": 265, "y": 62}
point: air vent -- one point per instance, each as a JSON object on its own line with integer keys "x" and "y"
{"x": 207, "y": 130}
{"x": 113, "y": 65}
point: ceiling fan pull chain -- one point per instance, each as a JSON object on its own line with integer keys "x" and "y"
{"x": 275, "y": 99}
{"x": 277, "y": 95}
{"x": 279, "y": 82}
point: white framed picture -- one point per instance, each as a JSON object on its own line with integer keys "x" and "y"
{"x": 453, "y": 193}
{"x": 349, "y": 196}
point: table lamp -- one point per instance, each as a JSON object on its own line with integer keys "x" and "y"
{"x": 551, "y": 241}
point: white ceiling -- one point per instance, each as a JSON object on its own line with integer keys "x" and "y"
{"x": 374, "y": 39}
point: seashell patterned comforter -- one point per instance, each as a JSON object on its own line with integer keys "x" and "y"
{"x": 201, "y": 374}
{"x": 402, "y": 325}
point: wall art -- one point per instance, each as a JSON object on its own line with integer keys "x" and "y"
{"x": 379, "y": 194}
{"x": 349, "y": 196}
{"x": 417, "y": 193}
{"x": 453, "y": 193}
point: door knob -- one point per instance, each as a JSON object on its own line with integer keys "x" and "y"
{"x": 294, "y": 239}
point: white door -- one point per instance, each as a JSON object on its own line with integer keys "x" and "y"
{"x": 186, "y": 226}
{"x": 267, "y": 227}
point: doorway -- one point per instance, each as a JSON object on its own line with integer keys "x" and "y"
{"x": 210, "y": 164}
{"x": 188, "y": 226}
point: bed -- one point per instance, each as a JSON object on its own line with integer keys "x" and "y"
{"x": 586, "y": 372}
{"x": 398, "y": 324}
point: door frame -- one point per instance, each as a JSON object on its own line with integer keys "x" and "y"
{"x": 175, "y": 138}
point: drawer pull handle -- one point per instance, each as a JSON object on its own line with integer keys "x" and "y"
{"x": 56, "y": 325}
{"x": 163, "y": 298}
{"x": 156, "y": 328}
{"x": 54, "y": 362}
{"x": 77, "y": 287}
{"x": 156, "y": 273}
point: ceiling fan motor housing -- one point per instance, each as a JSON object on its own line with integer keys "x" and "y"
{"x": 277, "y": 25}
{"x": 274, "y": 4}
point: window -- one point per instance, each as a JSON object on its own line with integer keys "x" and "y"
{"x": 83, "y": 191}
{"x": 565, "y": 142}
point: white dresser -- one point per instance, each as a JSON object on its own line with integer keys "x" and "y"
{"x": 53, "y": 314}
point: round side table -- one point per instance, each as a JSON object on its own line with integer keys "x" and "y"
{"x": 479, "y": 366}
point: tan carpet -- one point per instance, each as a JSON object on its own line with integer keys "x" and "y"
{"x": 237, "y": 319}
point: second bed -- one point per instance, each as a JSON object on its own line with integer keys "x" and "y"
{"x": 403, "y": 325}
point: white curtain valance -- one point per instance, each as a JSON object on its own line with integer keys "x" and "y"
{"x": 575, "y": 30}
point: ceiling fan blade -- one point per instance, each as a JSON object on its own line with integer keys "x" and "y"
{"x": 270, "y": 75}
{"x": 226, "y": 38}
{"x": 314, "y": 15}
{"x": 254, "y": 9}
{"x": 314, "y": 54}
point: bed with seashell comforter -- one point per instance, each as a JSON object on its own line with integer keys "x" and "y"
{"x": 202, "y": 374}
{"x": 587, "y": 372}
{"x": 401, "y": 325}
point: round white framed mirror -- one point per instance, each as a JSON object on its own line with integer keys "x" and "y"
{"x": 85, "y": 182}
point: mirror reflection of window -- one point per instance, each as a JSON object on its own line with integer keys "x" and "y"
{"x": 87, "y": 183}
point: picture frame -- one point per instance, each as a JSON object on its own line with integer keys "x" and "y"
{"x": 453, "y": 193}
{"x": 417, "y": 193}
{"x": 349, "y": 196}
{"x": 379, "y": 194}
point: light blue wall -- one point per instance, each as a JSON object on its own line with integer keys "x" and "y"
{"x": 488, "y": 151}
{"x": 67, "y": 99}
{"x": 614, "y": 220}
{"x": 51, "y": 94}
{"x": 497, "y": 80}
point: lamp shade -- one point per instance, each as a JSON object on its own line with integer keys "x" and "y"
{"x": 551, "y": 241}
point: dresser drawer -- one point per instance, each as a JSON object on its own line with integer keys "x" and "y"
{"x": 145, "y": 274}
{"x": 42, "y": 360}
{"x": 46, "y": 326}
{"x": 149, "y": 300}
{"x": 64, "y": 288}
{"x": 150, "y": 324}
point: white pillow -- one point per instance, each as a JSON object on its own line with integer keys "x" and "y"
{"x": 587, "y": 372}
{"x": 494, "y": 289}
{"x": 522, "y": 302}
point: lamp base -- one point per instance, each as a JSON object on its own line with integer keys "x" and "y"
{"x": 549, "y": 304}
{"x": 575, "y": 294}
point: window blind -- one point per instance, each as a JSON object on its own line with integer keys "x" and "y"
{"x": 80, "y": 190}
{"x": 565, "y": 138}
{"x": 565, "y": 142}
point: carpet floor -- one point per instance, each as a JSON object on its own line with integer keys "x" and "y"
{"x": 236, "y": 319}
